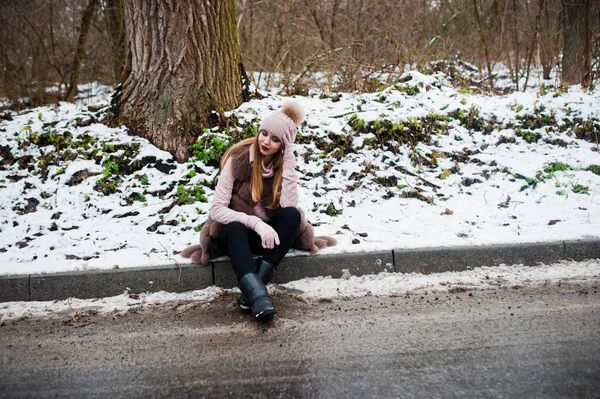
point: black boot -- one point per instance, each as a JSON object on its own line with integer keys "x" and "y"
{"x": 265, "y": 271}
{"x": 257, "y": 296}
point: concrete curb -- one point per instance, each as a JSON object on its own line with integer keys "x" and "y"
{"x": 94, "y": 284}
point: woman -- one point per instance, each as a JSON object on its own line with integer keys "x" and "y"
{"x": 254, "y": 210}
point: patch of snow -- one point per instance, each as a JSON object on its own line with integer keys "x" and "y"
{"x": 480, "y": 278}
{"x": 326, "y": 288}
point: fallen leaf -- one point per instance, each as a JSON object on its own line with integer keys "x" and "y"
{"x": 444, "y": 174}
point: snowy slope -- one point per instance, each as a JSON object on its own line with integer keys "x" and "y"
{"x": 417, "y": 164}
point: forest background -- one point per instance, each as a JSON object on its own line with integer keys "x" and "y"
{"x": 47, "y": 47}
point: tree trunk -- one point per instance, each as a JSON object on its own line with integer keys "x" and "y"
{"x": 7, "y": 73}
{"x": 185, "y": 63}
{"x": 86, "y": 21}
{"x": 547, "y": 54}
{"x": 576, "y": 41}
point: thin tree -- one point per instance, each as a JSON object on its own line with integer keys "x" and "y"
{"x": 114, "y": 13}
{"x": 185, "y": 64}
{"x": 534, "y": 41}
{"x": 86, "y": 21}
{"x": 576, "y": 66}
{"x": 515, "y": 41}
{"x": 484, "y": 45}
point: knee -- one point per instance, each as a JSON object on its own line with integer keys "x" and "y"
{"x": 292, "y": 216}
{"x": 235, "y": 229}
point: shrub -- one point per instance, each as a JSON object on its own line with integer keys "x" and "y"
{"x": 135, "y": 196}
{"x": 209, "y": 148}
{"x": 595, "y": 169}
{"x": 581, "y": 189}
{"x": 528, "y": 135}
{"x": 471, "y": 120}
{"x": 556, "y": 167}
{"x": 185, "y": 196}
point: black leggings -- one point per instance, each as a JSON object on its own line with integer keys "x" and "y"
{"x": 239, "y": 242}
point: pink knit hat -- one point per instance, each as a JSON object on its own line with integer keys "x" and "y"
{"x": 284, "y": 120}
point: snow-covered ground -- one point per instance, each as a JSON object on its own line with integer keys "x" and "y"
{"x": 482, "y": 169}
{"x": 325, "y": 288}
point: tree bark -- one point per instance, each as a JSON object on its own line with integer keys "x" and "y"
{"x": 86, "y": 21}
{"x": 576, "y": 41}
{"x": 185, "y": 63}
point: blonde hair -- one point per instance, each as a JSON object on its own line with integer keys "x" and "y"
{"x": 257, "y": 179}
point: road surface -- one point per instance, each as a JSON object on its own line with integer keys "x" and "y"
{"x": 529, "y": 342}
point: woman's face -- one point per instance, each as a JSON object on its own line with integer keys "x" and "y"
{"x": 268, "y": 143}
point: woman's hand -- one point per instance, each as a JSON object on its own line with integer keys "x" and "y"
{"x": 289, "y": 188}
{"x": 268, "y": 235}
{"x": 288, "y": 140}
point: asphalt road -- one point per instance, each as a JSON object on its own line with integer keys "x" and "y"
{"x": 524, "y": 343}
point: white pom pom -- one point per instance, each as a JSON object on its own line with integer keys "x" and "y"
{"x": 294, "y": 110}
